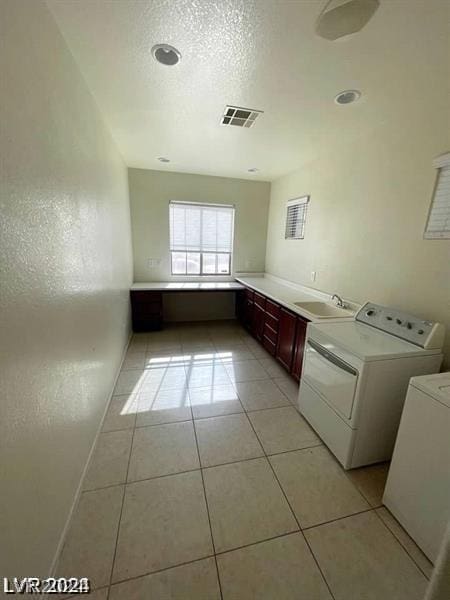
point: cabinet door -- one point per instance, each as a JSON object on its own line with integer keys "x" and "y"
{"x": 299, "y": 347}
{"x": 146, "y": 310}
{"x": 286, "y": 338}
{"x": 240, "y": 306}
{"x": 258, "y": 322}
{"x": 248, "y": 314}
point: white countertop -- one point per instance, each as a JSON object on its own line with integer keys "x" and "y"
{"x": 180, "y": 286}
{"x": 286, "y": 294}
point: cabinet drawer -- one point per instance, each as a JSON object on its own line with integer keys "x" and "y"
{"x": 143, "y": 296}
{"x": 272, "y": 308}
{"x": 269, "y": 345}
{"x": 270, "y": 333}
{"x": 249, "y": 294}
{"x": 260, "y": 300}
{"x": 272, "y": 322}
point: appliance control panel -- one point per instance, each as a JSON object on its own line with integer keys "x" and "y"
{"x": 426, "y": 334}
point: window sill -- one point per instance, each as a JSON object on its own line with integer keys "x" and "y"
{"x": 193, "y": 278}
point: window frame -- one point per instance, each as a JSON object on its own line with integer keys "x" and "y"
{"x": 440, "y": 196}
{"x": 300, "y": 201}
{"x": 201, "y": 252}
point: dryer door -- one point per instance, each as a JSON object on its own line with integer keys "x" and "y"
{"x": 332, "y": 377}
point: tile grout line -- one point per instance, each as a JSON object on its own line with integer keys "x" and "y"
{"x": 231, "y": 462}
{"x": 150, "y": 573}
{"x": 220, "y": 553}
{"x": 292, "y": 510}
{"x": 120, "y": 514}
{"x": 401, "y": 545}
{"x": 233, "y": 383}
{"x": 269, "y": 539}
{"x": 207, "y": 511}
{"x": 353, "y": 514}
{"x": 244, "y": 410}
{"x": 371, "y": 508}
{"x": 318, "y": 565}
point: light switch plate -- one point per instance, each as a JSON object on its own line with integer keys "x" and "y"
{"x": 154, "y": 262}
{"x": 313, "y": 275}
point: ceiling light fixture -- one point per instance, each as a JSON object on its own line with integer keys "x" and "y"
{"x": 341, "y": 18}
{"x": 253, "y": 170}
{"x": 347, "y": 97}
{"x": 163, "y": 159}
{"x": 166, "y": 54}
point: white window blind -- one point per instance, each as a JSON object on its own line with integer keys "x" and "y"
{"x": 201, "y": 238}
{"x": 296, "y": 218}
{"x": 438, "y": 224}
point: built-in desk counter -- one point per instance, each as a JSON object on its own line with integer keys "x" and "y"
{"x": 147, "y": 298}
{"x": 186, "y": 286}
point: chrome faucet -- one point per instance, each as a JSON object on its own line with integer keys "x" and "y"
{"x": 339, "y": 301}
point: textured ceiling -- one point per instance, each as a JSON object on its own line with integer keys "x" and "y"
{"x": 260, "y": 54}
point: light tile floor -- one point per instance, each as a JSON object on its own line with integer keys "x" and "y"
{"x": 207, "y": 484}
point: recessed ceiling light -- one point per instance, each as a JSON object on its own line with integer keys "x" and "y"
{"x": 347, "y": 97}
{"x": 166, "y": 55}
{"x": 253, "y": 170}
{"x": 163, "y": 159}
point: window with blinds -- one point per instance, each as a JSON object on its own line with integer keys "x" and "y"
{"x": 438, "y": 223}
{"x": 201, "y": 238}
{"x": 296, "y": 218}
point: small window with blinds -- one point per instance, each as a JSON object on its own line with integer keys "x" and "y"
{"x": 296, "y": 218}
{"x": 201, "y": 238}
{"x": 438, "y": 223}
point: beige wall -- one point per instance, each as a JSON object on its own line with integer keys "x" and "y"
{"x": 150, "y": 194}
{"x": 368, "y": 208}
{"x": 65, "y": 271}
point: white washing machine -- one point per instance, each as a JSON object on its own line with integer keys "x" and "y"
{"x": 355, "y": 377}
{"x": 418, "y": 486}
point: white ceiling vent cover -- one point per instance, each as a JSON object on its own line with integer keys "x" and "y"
{"x": 239, "y": 117}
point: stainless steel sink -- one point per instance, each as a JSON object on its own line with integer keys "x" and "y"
{"x": 324, "y": 310}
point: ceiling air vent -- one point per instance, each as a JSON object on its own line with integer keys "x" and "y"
{"x": 238, "y": 116}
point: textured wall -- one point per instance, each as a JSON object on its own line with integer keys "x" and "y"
{"x": 150, "y": 194}
{"x": 367, "y": 213}
{"x": 66, "y": 266}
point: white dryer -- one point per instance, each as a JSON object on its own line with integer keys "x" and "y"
{"x": 418, "y": 486}
{"x": 355, "y": 377}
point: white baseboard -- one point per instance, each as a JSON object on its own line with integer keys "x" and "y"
{"x": 77, "y": 496}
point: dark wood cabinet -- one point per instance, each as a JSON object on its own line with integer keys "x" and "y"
{"x": 271, "y": 326}
{"x": 240, "y": 306}
{"x": 258, "y": 321}
{"x": 248, "y": 313}
{"x": 299, "y": 346}
{"x": 280, "y": 331}
{"x": 259, "y": 306}
{"x": 146, "y": 310}
{"x": 286, "y": 338}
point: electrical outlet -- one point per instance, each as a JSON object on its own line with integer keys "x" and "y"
{"x": 153, "y": 262}
{"x": 313, "y": 275}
